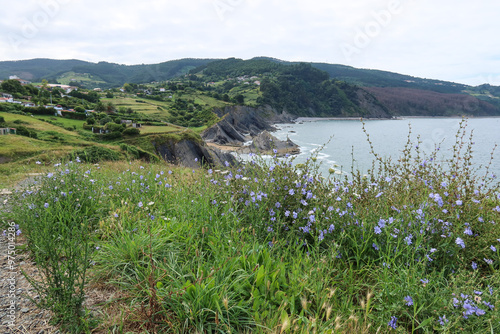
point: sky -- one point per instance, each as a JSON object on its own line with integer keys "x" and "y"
{"x": 452, "y": 40}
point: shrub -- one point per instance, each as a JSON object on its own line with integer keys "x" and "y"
{"x": 95, "y": 154}
{"x": 59, "y": 238}
{"x": 23, "y": 131}
{"x": 131, "y": 132}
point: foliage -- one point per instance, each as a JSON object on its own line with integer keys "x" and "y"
{"x": 24, "y": 131}
{"x": 131, "y": 132}
{"x": 306, "y": 91}
{"x": 95, "y": 154}
{"x": 58, "y": 227}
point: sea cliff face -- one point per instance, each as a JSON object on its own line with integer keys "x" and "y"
{"x": 242, "y": 124}
{"x": 190, "y": 153}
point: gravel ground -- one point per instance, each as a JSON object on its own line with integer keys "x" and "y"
{"x": 18, "y": 314}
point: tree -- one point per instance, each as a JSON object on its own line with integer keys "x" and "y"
{"x": 239, "y": 99}
{"x": 13, "y": 86}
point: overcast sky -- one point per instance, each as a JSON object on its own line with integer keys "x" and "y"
{"x": 454, "y": 40}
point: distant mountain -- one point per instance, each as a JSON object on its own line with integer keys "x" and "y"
{"x": 37, "y": 69}
{"x": 113, "y": 75}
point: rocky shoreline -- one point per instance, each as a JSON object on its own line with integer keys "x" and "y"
{"x": 247, "y": 130}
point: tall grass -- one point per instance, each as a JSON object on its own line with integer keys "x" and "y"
{"x": 272, "y": 247}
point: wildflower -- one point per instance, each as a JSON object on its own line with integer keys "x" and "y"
{"x": 18, "y": 232}
{"x": 490, "y": 289}
{"x": 474, "y": 265}
{"x": 377, "y": 230}
{"x": 489, "y": 305}
{"x": 38, "y": 163}
{"x": 331, "y": 228}
{"x": 294, "y": 215}
{"x": 468, "y": 231}
{"x": 46, "y": 205}
{"x": 303, "y": 202}
{"x": 493, "y": 248}
{"x": 479, "y": 312}
{"x": 393, "y": 322}
{"x": 379, "y": 194}
{"x": 443, "y": 320}
{"x": 139, "y": 204}
{"x": 460, "y": 242}
{"x": 459, "y": 202}
{"x": 291, "y": 192}
{"x": 374, "y": 245}
{"x": 424, "y": 281}
{"x": 488, "y": 261}
{"x": 408, "y": 239}
{"x": 278, "y": 204}
{"x": 409, "y": 301}
{"x": 269, "y": 229}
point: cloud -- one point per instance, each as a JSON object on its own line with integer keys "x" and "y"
{"x": 446, "y": 40}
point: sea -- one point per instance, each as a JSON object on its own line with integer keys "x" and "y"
{"x": 343, "y": 145}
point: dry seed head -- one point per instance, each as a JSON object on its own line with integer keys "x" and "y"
{"x": 285, "y": 325}
{"x": 226, "y": 303}
{"x": 337, "y": 322}
{"x": 362, "y": 303}
{"x": 328, "y": 312}
{"x": 303, "y": 302}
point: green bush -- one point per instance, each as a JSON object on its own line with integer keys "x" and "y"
{"x": 131, "y": 132}
{"x": 95, "y": 154}
{"x": 130, "y": 150}
{"x": 23, "y": 131}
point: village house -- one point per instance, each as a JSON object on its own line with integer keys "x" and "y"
{"x": 126, "y": 121}
{"x": 136, "y": 125}
{"x": 99, "y": 130}
{"x": 7, "y": 131}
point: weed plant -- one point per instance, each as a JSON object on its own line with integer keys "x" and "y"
{"x": 273, "y": 247}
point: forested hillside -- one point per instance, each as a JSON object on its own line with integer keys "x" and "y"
{"x": 303, "y": 89}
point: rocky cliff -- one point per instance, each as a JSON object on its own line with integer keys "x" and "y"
{"x": 265, "y": 143}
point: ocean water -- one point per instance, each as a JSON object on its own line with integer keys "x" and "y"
{"x": 342, "y": 144}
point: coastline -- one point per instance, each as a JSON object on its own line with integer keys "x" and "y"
{"x": 315, "y": 119}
